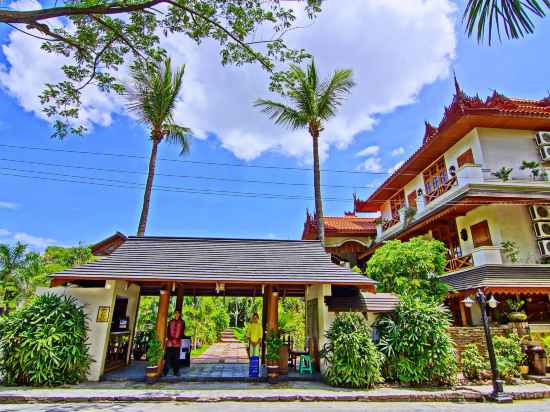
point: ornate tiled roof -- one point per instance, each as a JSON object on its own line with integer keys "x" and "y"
{"x": 346, "y": 225}
{"x": 463, "y": 114}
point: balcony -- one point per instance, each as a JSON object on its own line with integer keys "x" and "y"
{"x": 483, "y": 255}
{"x": 444, "y": 188}
{"x": 459, "y": 262}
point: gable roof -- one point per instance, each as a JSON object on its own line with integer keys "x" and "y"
{"x": 464, "y": 114}
{"x": 218, "y": 260}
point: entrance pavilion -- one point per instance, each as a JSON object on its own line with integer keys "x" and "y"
{"x": 130, "y": 267}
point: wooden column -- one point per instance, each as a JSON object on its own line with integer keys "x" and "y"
{"x": 162, "y": 315}
{"x": 179, "y": 299}
{"x": 272, "y": 312}
{"x": 265, "y": 302}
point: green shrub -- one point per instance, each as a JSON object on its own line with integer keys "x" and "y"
{"x": 352, "y": 357}
{"x": 473, "y": 363}
{"x": 44, "y": 343}
{"x": 416, "y": 344}
{"x": 155, "y": 350}
{"x": 509, "y": 355}
{"x": 273, "y": 345}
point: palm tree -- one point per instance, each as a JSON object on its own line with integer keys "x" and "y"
{"x": 312, "y": 102}
{"x": 12, "y": 258}
{"x": 514, "y": 16}
{"x": 152, "y": 96}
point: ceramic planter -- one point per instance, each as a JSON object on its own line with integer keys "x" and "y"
{"x": 517, "y": 316}
{"x": 272, "y": 371}
{"x": 152, "y": 374}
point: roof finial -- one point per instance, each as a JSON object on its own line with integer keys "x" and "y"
{"x": 458, "y": 90}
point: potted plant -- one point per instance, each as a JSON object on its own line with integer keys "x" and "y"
{"x": 140, "y": 345}
{"x": 155, "y": 352}
{"x": 273, "y": 354}
{"x": 511, "y": 250}
{"x": 503, "y": 173}
{"x": 532, "y": 166}
{"x": 410, "y": 212}
{"x": 516, "y": 314}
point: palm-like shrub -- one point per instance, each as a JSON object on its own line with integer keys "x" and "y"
{"x": 473, "y": 363}
{"x": 352, "y": 357}
{"x": 416, "y": 344}
{"x": 44, "y": 343}
{"x": 509, "y": 355}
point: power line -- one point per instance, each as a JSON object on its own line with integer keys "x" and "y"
{"x": 199, "y": 177}
{"x": 124, "y": 155}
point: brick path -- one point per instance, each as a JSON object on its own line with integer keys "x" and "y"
{"x": 228, "y": 350}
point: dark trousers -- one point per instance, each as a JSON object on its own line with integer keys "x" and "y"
{"x": 172, "y": 360}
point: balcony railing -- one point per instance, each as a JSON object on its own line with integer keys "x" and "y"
{"x": 459, "y": 262}
{"x": 434, "y": 194}
{"x": 389, "y": 223}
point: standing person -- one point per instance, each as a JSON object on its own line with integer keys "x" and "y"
{"x": 254, "y": 334}
{"x": 174, "y": 335}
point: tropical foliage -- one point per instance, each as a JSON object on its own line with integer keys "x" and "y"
{"x": 473, "y": 363}
{"x": 352, "y": 358}
{"x": 509, "y": 355}
{"x": 44, "y": 343}
{"x": 152, "y": 96}
{"x": 22, "y": 271}
{"x": 273, "y": 345}
{"x": 311, "y": 102}
{"x": 514, "y": 17}
{"x": 96, "y": 38}
{"x": 155, "y": 351}
{"x": 416, "y": 344}
{"x": 410, "y": 268}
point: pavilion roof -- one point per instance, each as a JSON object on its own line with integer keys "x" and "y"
{"x": 463, "y": 114}
{"x": 244, "y": 261}
{"x": 347, "y": 225}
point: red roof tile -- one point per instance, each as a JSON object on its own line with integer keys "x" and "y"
{"x": 340, "y": 226}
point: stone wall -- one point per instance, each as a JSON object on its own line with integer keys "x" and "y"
{"x": 463, "y": 335}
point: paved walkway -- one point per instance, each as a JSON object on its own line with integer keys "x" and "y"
{"x": 228, "y": 350}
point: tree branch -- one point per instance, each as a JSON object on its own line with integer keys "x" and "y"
{"x": 118, "y": 34}
{"x": 96, "y": 62}
{"x": 44, "y": 28}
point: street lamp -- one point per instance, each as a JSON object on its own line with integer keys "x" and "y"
{"x": 498, "y": 394}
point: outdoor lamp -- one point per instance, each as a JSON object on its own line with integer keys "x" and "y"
{"x": 468, "y": 302}
{"x": 492, "y": 302}
{"x": 452, "y": 171}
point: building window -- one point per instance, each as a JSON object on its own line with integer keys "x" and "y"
{"x": 466, "y": 158}
{"x": 435, "y": 175}
{"x": 481, "y": 236}
{"x": 411, "y": 199}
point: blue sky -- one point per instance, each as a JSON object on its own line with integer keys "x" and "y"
{"x": 403, "y": 72}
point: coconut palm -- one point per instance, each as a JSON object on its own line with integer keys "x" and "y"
{"x": 152, "y": 97}
{"x": 513, "y": 16}
{"x": 311, "y": 103}
{"x": 12, "y": 258}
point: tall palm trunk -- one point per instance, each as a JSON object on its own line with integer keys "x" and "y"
{"x": 317, "y": 185}
{"x": 148, "y": 188}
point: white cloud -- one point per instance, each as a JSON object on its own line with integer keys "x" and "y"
{"x": 369, "y": 151}
{"x": 394, "y": 48}
{"x": 395, "y": 166}
{"x": 398, "y": 151}
{"x": 8, "y": 205}
{"x": 372, "y": 164}
{"x": 4, "y": 233}
{"x": 35, "y": 242}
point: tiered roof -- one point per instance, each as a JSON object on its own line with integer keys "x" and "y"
{"x": 462, "y": 115}
{"x": 348, "y": 225}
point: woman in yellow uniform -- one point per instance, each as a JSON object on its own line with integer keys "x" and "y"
{"x": 254, "y": 336}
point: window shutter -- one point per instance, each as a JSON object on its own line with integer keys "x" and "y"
{"x": 465, "y": 158}
{"x": 481, "y": 235}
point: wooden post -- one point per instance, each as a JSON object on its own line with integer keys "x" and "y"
{"x": 463, "y": 317}
{"x": 265, "y": 302}
{"x": 162, "y": 315}
{"x": 179, "y": 299}
{"x": 272, "y": 315}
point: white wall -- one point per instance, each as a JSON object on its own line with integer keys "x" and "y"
{"x": 325, "y": 318}
{"x": 504, "y": 147}
{"x": 506, "y": 222}
{"x": 470, "y": 141}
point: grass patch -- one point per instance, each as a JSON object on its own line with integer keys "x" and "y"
{"x": 199, "y": 351}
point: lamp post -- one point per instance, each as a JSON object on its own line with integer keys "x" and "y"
{"x": 498, "y": 394}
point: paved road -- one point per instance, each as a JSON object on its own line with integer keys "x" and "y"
{"x": 531, "y": 406}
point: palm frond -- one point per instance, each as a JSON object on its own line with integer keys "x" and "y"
{"x": 513, "y": 16}
{"x": 282, "y": 114}
{"x": 333, "y": 92}
{"x": 178, "y": 135}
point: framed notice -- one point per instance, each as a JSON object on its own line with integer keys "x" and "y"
{"x": 103, "y": 314}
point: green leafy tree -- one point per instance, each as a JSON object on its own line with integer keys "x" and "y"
{"x": 352, "y": 358}
{"x": 153, "y": 96}
{"x": 311, "y": 102}
{"x": 485, "y": 17}
{"x": 473, "y": 363}
{"x": 45, "y": 343}
{"x": 98, "y": 36}
{"x": 416, "y": 344}
{"x": 410, "y": 268}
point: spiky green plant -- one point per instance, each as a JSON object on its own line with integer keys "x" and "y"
{"x": 311, "y": 102}
{"x": 152, "y": 96}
